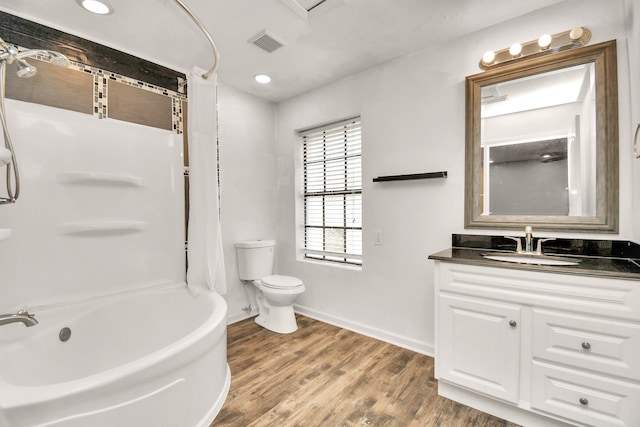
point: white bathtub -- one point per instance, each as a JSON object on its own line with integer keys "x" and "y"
{"x": 155, "y": 357}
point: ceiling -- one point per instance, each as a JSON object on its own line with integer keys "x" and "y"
{"x": 336, "y": 39}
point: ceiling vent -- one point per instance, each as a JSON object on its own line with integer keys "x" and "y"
{"x": 266, "y": 41}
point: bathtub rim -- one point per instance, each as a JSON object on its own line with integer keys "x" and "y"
{"x": 102, "y": 298}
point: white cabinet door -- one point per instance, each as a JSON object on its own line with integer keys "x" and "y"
{"x": 479, "y": 345}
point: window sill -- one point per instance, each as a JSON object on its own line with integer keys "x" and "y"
{"x": 351, "y": 267}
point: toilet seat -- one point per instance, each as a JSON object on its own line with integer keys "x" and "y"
{"x": 281, "y": 282}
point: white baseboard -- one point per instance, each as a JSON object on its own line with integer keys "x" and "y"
{"x": 388, "y": 337}
{"x": 238, "y": 317}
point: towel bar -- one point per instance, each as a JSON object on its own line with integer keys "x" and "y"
{"x": 406, "y": 177}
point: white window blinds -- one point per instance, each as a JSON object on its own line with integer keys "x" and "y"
{"x": 332, "y": 159}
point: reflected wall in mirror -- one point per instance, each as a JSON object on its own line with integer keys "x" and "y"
{"x": 542, "y": 143}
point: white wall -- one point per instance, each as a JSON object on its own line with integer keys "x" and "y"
{"x": 248, "y": 182}
{"x": 412, "y": 113}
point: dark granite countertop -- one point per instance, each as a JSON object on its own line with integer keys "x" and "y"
{"x": 605, "y": 258}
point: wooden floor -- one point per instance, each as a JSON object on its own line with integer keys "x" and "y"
{"x": 322, "y": 375}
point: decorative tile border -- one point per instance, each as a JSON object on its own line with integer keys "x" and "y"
{"x": 178, "y": 123}
{"x": 99, "y": 96}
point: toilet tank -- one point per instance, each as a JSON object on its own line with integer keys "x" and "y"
{"x": 255, "y": 259}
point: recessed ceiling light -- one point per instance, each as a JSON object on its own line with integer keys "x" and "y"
{"x": 262, "y": 78}
{"x": 95, "y": 6}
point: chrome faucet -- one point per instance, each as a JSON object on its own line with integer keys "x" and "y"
{"x": 21, "y": 316}
{"x": 528, "y": 242}
{"x": 518, "y": 243}
{"x": 528, "y": 239}
{"x": 539, "y": 246}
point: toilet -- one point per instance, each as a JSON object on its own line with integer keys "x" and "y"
{"x": 275, "y": 294}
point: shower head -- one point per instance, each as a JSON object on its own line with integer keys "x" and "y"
{"x": 58, "y": 59}
{"x": 54, "y": 57}
{"x": 10, "y": 53}
{"x": 25, "y": 70}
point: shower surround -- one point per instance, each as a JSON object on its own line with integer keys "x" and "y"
{"x": 97, "y": 245}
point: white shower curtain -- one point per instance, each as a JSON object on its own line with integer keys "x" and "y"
{"x": 204, "y": 253}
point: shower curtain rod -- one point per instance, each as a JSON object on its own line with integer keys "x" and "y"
{"x": 216, "y": 56}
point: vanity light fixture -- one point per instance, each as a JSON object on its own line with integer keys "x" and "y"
{"x": 547, "y": 43}
{"x": 262, "y": 78}
{"x": 99, "y": 7}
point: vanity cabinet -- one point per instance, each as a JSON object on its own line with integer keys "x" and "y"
{"x": 539, "y": 348}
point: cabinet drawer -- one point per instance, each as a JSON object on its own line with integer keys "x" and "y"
{"x": 585, "y": 398}
{"x": 603, "y": 345}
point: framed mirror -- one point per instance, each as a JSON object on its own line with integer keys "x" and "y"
{"x": 542, "y": 143}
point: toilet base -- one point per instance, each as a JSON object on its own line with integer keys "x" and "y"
{"x": 278, "y": 319}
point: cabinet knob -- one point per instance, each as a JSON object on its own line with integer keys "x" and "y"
{"x": 584, "y": 401}
{"x": 586, "y": 345}
{"x": 513, "y": 323}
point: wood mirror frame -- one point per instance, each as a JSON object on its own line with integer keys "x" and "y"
{"x": 605, "y": 220}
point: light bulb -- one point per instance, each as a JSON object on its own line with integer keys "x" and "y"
{"x": 262, "y": 78}
{"x": 488, "y": 57}
{"x": 576, "y": 33}
{"x": 544, "y": 41}
{"x": 515, "y": 49}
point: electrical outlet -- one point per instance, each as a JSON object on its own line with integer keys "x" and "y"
{"x": 377, "y": 238}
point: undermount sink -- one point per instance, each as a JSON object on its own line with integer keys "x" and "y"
{"x": 530, "y": 259}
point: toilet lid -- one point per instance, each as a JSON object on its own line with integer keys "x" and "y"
{"x": 281, "y": 282}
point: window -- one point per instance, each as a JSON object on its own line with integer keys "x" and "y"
{"x": 332, "y": 158}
